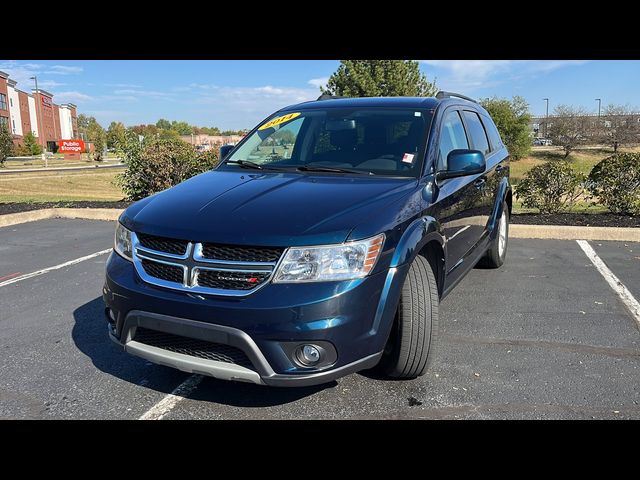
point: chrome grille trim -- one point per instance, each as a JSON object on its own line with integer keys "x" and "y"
{"x": 192, "y": 262}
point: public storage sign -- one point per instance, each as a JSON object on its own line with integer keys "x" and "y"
{"x": 70, "y": 146}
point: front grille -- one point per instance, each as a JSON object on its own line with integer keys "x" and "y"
{"x": 241, "y": 253}
{"x": 162, "y": 271}
{"x": 193, "y": 347}
{"x": 163, "y": 244}
{"x": 231, "y": 280}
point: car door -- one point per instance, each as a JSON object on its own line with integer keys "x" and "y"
{"x": 457, "y": 197}
{"x": 485, "y": 184}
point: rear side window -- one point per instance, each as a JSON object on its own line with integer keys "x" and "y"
{"x": 452, "y": 136}
{"x": 494, "y": 135}
{"x": 476, "y": 131}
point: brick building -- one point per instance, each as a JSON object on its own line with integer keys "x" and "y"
{"x": 35, "y": 112}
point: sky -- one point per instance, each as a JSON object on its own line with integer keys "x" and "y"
{"x": 237, "y": 94}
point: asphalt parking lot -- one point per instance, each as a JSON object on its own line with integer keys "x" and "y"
{"x": 544, "y": 337}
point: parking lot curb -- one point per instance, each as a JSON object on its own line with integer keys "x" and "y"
{"x": 551, "y": 232}
{"x": 107, "y": 214}
{"x": 565, "y": 232}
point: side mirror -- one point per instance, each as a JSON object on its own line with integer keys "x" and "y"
{"x": 461, "y": 163}
{"x": 224, "y": 151}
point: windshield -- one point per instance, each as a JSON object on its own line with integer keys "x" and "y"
{"x": 367, "y": 140}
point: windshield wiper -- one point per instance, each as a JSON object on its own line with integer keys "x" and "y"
{"x": 246, "y": 164}
{"x": 318, "y": 168}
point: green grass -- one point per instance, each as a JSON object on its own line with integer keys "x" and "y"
{"x": 59, "y": 186}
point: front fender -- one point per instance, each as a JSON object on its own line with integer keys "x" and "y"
{"x": 417, "y": 235}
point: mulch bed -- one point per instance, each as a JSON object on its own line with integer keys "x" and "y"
{"x": 6, "y": 208}
{"x": 581, "y": 219}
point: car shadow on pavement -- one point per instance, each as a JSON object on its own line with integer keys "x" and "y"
{"x": 90, "y": 336}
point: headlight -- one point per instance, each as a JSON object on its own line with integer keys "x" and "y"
{"x": 345, "y": 261}
{"x": 122, "y": 244}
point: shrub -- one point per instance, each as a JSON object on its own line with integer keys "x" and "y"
{"x": 551, "y": 187}
{"x": 6, "y": 144}
{"x": 31, "y": 142}
{"x": 21, "y": 151}
{"x": 615, "y": 182}
{"x": 160, "y": 164}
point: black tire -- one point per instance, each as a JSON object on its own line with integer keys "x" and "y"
{"x": 413, "y": 336}
{"x": 494, "y": 257}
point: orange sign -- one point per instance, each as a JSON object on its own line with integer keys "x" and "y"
{"x": 70, "y": 146}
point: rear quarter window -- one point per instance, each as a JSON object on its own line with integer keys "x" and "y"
{"x": 477, "y": 132}
{"x": 492, "y": 132}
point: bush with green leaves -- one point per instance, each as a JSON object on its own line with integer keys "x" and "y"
{"x": 31, "y": 143}
{"x": 158, "y": 164}
{"x": 551, "y": 187}
{"x": 615, "y": 182}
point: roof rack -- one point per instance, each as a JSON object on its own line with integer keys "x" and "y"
{"x": 326, "y": 96}
{"x": 442, "y": 94}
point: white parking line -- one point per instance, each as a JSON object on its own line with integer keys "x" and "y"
{"x": 57, "y": 267}
{"x": 613, "y": 281}
{"x": 164, "y": 406}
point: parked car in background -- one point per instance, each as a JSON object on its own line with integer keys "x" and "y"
{"x": 306, "y": 264}
{"x": 542, "y": 142}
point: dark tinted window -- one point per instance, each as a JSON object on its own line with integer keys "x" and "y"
{"x": 492, "y": 131}
{"x": 476, "y": 131}
{"x": 452, "y": 136}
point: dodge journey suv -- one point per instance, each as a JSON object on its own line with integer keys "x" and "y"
{"x": 321, "y": 245}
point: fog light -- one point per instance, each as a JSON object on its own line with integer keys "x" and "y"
{"x": 308, "y": 355}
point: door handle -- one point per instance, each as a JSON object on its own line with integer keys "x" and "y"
{"x": 479, "y": 183}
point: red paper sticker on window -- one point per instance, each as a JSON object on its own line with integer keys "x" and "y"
{"x": 408, "y": 158}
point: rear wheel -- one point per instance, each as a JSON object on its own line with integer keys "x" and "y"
{"x": 498, "y": 250}
{"x": 410, "y": 346}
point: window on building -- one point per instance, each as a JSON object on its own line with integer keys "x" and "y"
{"x": 13, "y": 122}
{"x": 4, "y": 122}
{"x": 3, "y": 101}
{"x": 11, "y": 102}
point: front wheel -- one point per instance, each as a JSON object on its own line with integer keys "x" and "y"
{"x": 498, "y": 250}
{"x": 412, "y": 339}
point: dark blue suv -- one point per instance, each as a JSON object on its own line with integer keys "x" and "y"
{"x": 321, "y": 245}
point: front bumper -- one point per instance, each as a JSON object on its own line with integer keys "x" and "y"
{"x": 353, "y": 317}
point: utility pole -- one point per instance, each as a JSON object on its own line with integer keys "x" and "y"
{"x": 38, "y": 101}
{"x": 546, "y": 118}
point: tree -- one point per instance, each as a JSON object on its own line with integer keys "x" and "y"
{"x": 163, "y": 124}
{"x": 31, "y": 143}
{"x": 512, "y": 119}
{"x": 83, "y": 123}
{"x": 379, "y": 78}
{"x": 569, "y": 127}
{"x": 183, "y": 128}
{"x": 145, "y": 130}
{"x": 619, "y": 126}
{"x": 6, "y": 144}
{"x": 96, "y": 135}
{"x": 116, "y": 135}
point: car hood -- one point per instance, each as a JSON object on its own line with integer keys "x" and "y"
{"x": 274, "y": 209}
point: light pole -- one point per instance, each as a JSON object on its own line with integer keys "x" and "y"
{"x": 546, "y": 118}
{"x": 599, "y": 100}
{"x": 44, "y": 155}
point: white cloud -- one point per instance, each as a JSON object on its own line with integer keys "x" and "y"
{"x": 122, "y": 85}
{"x": 141, "y": 93}
{"x": 468, "y": 75}
{"x": 318, "y": 82}
{"x": 50, "y": 84}
{"x": 64, "y": 70}
{"x": 72, "y": 96}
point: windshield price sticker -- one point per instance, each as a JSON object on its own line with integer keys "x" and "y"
{"x": 279, "y": 120}
{"x": 408, "y": 158}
